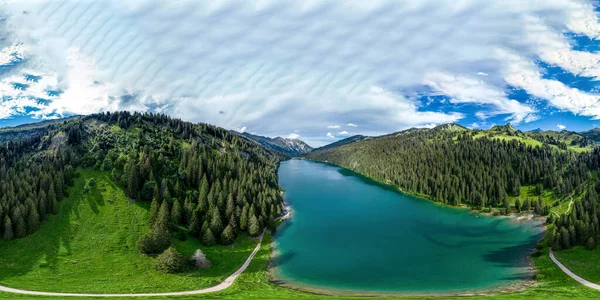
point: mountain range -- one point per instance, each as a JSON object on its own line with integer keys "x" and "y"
{"x": 286, "y": 146}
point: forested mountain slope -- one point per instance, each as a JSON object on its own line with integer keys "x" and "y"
{"x": 196, "y": 176}
{"x": 352, "y": 139}
{"x": 27, "y": 130}
{"x": 481, "y": 169}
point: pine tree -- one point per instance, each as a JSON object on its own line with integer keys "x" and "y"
{"x": 52, "y": 200}
{"x": 230, "y": 206}
{"x": 176, "y": 213}
{"x": 506, "y": 204}
{"x": 132, "y": 178}
{"x": 20, "y": 227}
{"x": 153, "y": 213}
{"x": 244, "y": 218}
{"x": 8, "y": 229}
{"x": 591, "y": 244}
{"x": 253, "y": 227}
{"x": 194, "y": 224}
{"x": 227, "y": 237}
{"x": 208, "y": 238}
{"x": 33, "y": 221}
{"x": 216, "y": 225}
{"x": 163, "y": 219}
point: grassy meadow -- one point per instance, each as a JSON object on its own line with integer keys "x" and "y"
{"x": 90, "y": 246}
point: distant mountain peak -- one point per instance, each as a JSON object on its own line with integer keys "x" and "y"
{"x": 287, "y": 146}
{"x": 504, "y": 128}
{"x": 537, "y": 130}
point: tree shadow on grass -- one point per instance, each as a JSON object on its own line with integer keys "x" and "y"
{"x": 94, "y": 198}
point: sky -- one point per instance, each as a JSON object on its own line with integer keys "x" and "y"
{"x": 315, "y": 70}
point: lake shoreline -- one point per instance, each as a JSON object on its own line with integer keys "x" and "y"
{"x": 512, "y": 287}
{"x": 273, "y": 278}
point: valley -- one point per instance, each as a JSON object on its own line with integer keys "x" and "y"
{"x": 91, "y": 244}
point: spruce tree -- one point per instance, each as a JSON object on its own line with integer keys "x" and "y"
{"x": 176, "y": 213}
{"x": 8, "y": 229}
{"x": 208, "y": 238}
{"x": 132, "y": 179}
{"x": 253, "y": 227}
{"x": 33, "y": 221}
{"x": 194, "y": 225}
{"x": 244, "y": 218}
{"x": 227, "y": 237}
{"x": 20, "y": 227}
{"x": 216, "y": 225}
{"x": 153, "y": 213}
{"x": 591, "y": 244}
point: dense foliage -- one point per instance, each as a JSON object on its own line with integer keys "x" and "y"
{"x": 580, "y": 226}
{"x": 170, "y": 261}
{"x": 457, "y": 168}
{"x": 33, "y": 182}
{"x": 197, "y": 177}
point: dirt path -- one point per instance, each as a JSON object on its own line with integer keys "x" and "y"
{"x": 568, "y": 209}
{"x": 572, "y": 275}
{"x": 223, "y": 285}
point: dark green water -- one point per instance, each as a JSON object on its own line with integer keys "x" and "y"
{"x": 349, "y": 233}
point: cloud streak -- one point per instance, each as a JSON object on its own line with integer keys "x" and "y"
{"x": 278, "y": 66}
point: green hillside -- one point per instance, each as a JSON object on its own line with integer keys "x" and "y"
{"x": 90, "y": 246}
{"x": 84, "y": 193}
{"x": 94, "y": 203}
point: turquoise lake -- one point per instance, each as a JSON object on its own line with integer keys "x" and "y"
{"x": 349, "y": 233}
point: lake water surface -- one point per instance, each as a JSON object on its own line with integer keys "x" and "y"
{"x": 349, "y": 233}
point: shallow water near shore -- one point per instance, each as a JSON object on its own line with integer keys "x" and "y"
{"x": 349, "y": 233}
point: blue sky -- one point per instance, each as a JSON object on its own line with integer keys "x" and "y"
{"x": 317, "y": 70}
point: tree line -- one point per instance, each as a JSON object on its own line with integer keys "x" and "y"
{"x": 33, "y": 182}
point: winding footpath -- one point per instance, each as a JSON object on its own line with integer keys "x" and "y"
{"x": 222, "y": 286}
{"x": 572, "y": 275}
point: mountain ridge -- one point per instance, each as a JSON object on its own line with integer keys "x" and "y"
{"x": 286, "y": 146}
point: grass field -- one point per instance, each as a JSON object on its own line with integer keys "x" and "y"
{"x": 582, "y": 262}
{"x": 528, "y": 191}
{"x": 504, "y": 137}
{"x": 90, "y": 247}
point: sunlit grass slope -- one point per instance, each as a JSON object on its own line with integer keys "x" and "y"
{"x": 90, "y": 246}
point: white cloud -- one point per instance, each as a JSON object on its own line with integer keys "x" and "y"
{"x": 463, "y": 89}
{"x": 293, "y": 136}
{"x": 329, "y": 135}
{"x": 522, "y": 73}
{"x": 561, "y": 127}
{"x": 351, "y": 125}
{"x": 304, "y": 65}
{"x": 343, "y": 133}
{"x": 554, "y": 49}
{"x": 333, "y": 126}
{"x": 242, "y": 130}
{"x": 474, "y": 125}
